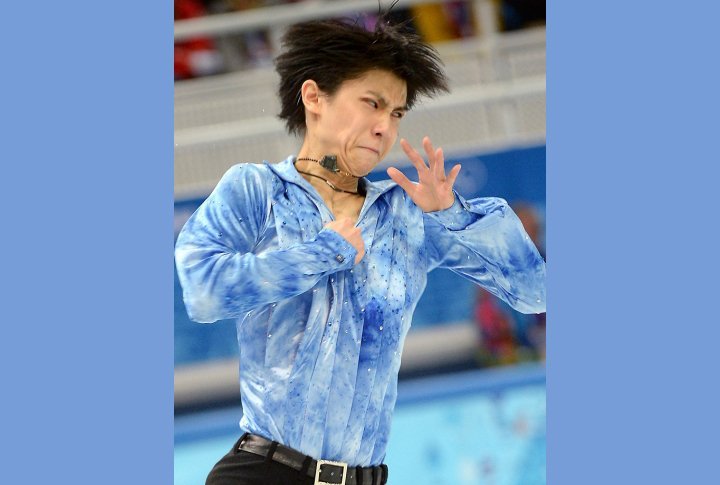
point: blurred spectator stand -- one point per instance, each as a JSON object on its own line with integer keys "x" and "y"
{"x": 197, "y": 56}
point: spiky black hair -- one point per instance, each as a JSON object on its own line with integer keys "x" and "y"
{"x": 333, "y": 51}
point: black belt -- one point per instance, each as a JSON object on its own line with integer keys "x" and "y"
{"x": 328, "y": 472}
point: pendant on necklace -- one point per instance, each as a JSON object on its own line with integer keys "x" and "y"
{"x": 329, "y": 162}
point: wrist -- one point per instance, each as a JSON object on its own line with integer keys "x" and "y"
{"x": 442, "y": 205}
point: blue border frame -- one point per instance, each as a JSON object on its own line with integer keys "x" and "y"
{"x": 87, "y": 243}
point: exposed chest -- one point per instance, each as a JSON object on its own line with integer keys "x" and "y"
{"x": 348, "y": 207}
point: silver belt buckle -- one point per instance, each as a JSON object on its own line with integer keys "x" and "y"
{"x": 334, "y": 463}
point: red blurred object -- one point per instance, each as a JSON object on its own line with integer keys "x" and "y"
{"x": 198, "y": 56}
{"x": 495, "y": 328}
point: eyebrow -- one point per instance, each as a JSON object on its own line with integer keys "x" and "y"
{"x": 384, "y": 102}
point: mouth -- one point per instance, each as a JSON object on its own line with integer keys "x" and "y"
{"x": 376, "y": 152}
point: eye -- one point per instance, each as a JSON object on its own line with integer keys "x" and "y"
{"x": 398, "y": 114}
{"x": 371, "y": 102}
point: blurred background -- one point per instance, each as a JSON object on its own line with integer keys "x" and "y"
{"x": 473, "y": 369}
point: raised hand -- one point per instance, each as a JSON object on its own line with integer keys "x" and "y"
{"x": 433, "y": 192}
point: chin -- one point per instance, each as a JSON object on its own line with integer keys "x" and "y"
{"x": 366, "y": 168}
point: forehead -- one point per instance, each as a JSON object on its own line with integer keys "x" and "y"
{"x": 383, "y": 83}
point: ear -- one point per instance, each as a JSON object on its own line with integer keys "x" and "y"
{"x": 311, "y": 96}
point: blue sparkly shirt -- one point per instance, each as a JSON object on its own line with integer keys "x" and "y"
{"x": 320, "y": 338}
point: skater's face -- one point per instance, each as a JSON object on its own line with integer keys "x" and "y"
{"x": 359, "y": 123}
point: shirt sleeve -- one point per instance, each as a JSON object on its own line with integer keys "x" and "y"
{"x": 483, "y": 240}
{"x": 222, "y": 277}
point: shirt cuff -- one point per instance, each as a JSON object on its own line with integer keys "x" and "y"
{"x": 456, "y": 217}
{"x": 337, "y": 250}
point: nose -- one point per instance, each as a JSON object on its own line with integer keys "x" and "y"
{"x": 382, "y": 127}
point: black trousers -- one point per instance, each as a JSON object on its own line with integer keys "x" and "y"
{"x": 239, "y": 467}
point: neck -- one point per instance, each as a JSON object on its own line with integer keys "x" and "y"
{"x": 308, "y": 162}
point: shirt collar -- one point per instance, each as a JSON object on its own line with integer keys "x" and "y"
{"x": 286, "y": 171}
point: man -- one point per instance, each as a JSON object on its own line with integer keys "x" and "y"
{"x": 322, "y": 269}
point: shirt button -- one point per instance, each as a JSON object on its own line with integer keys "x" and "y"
{"x": 340, "y": 258}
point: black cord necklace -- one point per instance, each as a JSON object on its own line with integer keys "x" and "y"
{"x": 330, "y": 184}
{"x": 328, "y": 162}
